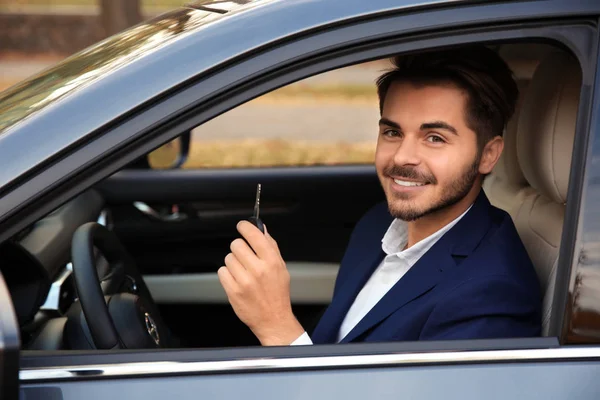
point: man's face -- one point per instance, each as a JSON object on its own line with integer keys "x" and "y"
{"x": 427, "y": 158}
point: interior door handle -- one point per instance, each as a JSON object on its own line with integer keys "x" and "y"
{"x": 173, "y": 215}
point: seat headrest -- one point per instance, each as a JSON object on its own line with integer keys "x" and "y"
{"x": 546, "y": 125}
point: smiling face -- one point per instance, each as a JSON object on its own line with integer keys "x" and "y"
{"x": 427, "y": 158}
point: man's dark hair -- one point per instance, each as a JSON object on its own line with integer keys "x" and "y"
{"x": 489, "y": 83}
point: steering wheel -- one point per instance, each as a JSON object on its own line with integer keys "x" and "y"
{"x": 117, "y": 308}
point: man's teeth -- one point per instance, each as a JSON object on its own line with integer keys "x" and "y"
{"x": 405, "y": 183}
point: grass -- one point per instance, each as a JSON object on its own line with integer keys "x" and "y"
{"x": 347, "y": 91}
{"x": 265, "y": 153}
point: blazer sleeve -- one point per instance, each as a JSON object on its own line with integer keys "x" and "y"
{"x": 484, "y": 308}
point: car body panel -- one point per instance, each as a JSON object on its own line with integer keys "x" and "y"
{"x": 363, "y": 377}
{"x": 222, "y": 6}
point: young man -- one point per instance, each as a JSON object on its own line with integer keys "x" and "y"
{"x": 438, "y": 261}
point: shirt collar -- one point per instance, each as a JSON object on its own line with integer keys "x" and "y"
{"x": 396, "y": 237}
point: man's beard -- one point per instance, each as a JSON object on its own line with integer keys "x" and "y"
{"x": 451, "y": 195}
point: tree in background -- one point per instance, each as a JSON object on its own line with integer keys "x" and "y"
{"x": 118, "y": 15}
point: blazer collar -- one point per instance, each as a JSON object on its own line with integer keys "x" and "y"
{"x": 469, "y": 231}
{"x": 460, "y": 241}
{"x": 362, "y": 267}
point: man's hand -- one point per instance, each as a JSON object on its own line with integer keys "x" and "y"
{"x": 257, "y": 284}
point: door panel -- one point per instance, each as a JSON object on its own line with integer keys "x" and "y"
{"x": 311, "y": 283}
{"x": 178, "y": 225}
{"x": 547, "y": 380}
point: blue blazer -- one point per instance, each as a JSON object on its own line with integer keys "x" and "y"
{"x": 476, "y": 282}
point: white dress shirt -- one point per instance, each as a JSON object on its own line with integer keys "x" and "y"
{"x": 393, "y": 267}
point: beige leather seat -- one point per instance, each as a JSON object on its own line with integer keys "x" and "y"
{"x": 532, "y": 187}
{"x": 506, "y": 187}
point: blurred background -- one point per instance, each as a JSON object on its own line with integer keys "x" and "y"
{"x": 323, "y": 120}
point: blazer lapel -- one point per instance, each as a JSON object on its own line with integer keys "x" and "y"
{"x": 424, "y": 275}
{"x": 329, "y": 325}
{"x": 428, "y": 271}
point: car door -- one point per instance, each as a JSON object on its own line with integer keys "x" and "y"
{"x": 548, "y": 367}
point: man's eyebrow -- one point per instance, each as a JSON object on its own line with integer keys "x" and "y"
{"x": 439, "y": 125}
{"x": 385, "y": 121}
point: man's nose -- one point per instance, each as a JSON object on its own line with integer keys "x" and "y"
{"x": 407, "y": 152}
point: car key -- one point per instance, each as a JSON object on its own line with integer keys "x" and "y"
{"x": 254, "y": 219}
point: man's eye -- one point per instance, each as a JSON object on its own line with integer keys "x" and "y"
{"x": 435, "y": 139}
{"x": 391, "y": 133}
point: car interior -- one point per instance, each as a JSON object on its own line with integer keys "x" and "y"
{"x": 161, "y": 235}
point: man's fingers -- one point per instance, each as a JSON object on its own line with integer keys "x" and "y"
{"x": 272, "y": 242}
{"x": 227, "y": 281}
{"x": 256, "y": 239}
{"x": 236, "y": 269}
{"x": 243, "y": 253}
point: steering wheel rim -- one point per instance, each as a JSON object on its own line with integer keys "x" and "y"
{"x": 101, "y": 325}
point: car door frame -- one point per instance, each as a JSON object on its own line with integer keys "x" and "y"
{"x": 136, "y": 142}
{"x": 10, "y": 344}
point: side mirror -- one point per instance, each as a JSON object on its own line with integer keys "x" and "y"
{"x": 171, "y": 155}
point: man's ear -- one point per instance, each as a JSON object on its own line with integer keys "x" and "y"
{"x": 490, "y": 155}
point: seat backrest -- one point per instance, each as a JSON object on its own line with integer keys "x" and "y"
{"x": 544, "y": 142}
{"x": 506, "y": 187}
